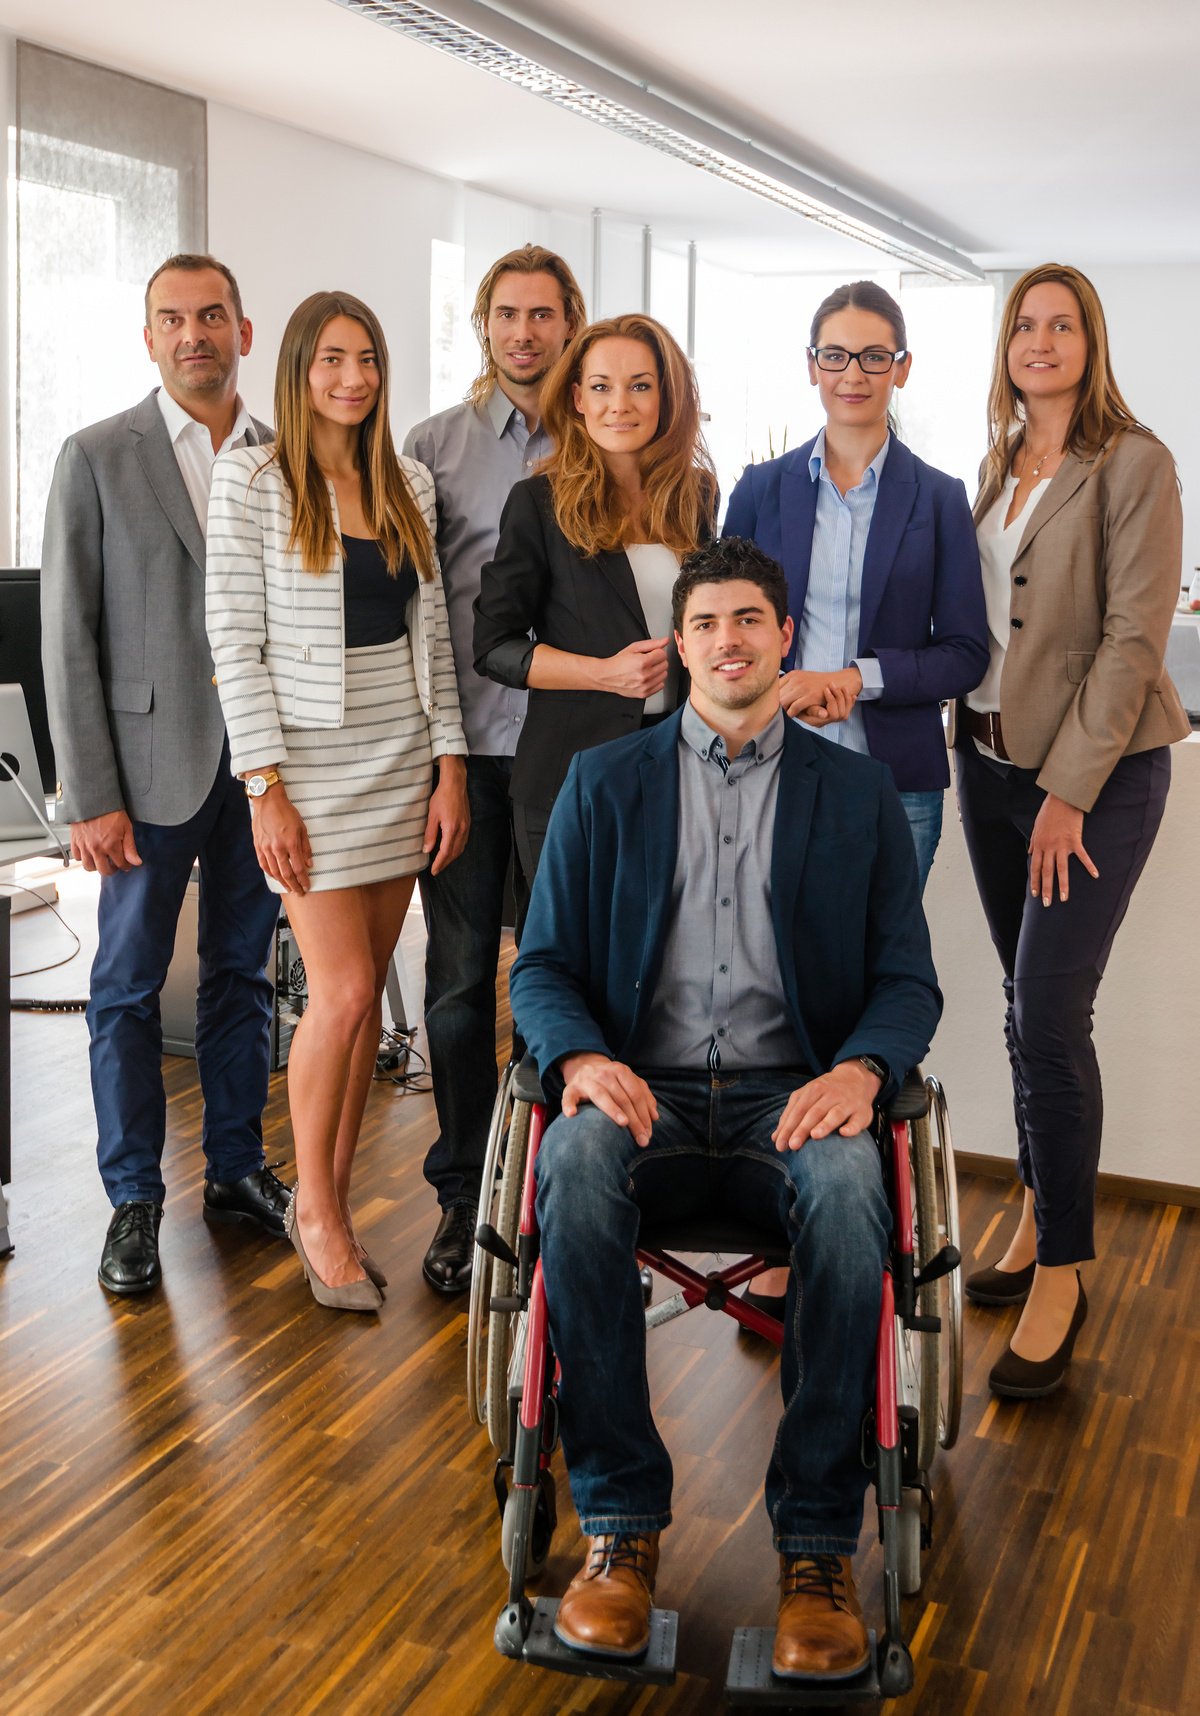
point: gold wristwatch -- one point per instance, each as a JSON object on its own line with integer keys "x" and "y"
{"x": 256, "y": 785}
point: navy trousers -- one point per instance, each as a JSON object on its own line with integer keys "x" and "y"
{"x": 138, "y": 917}
{"x": 1053, "y": 958}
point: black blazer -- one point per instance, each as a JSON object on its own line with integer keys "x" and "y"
{"x": 539, "y": 589}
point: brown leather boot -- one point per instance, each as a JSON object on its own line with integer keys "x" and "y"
{"x": 606, "y": 1609}
{"x": 820, "y": 1634}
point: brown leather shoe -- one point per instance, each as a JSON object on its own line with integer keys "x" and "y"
{"x": 820, "y": 1634}
{"x": 606, "y": 1609}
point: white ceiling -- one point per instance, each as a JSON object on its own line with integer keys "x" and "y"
{"x": 1070, "y": 129}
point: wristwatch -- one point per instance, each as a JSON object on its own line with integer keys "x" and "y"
{"x": 256, "y": 785}
{"x": 879, "y": 1068}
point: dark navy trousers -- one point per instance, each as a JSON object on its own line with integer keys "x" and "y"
{"x": 138, "y": 916}
{"x": 1053, "y": 958}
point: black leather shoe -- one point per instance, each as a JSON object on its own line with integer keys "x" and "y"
{"x": 447, "y": 1263}
{"x": 770, "y": 1304}
{"x": 129, "y": 1262}
{"x": 992, "y": 1286}
{"x": 260, "y": 1197}
{"x": 1017, "y": 1378}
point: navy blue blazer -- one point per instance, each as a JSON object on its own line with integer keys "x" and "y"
{"x": 922, "y": 615}
{"x": 850, "y": 936}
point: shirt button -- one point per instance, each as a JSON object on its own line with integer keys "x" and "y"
{"x": 720, "y": 1030}
{"x": 728, "y": 838}
{"x": 1017, "y": 624}
{"x": 725, "y": 901}
{"x": 722, "y": 968}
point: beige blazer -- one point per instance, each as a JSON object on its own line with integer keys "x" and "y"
{"x": 1094, "y": 585}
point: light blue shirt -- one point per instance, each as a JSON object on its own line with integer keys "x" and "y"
{"x": 829, "y": 625}
{"x": 476, "y": 454}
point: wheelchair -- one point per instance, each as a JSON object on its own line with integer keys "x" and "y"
{"x": 512, "y": 1380}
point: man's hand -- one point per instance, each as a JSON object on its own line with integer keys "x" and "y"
{"x": 1057, "y": 837}
{"x": 449, "y": 821}
{"x": 105, "y": 843}
{"x": 839, "y": 1101}
{"x": 638, "y": 670}
{"x": 281, "y": 842}
{"x": 613, "y": 1088}
{"x": 819, "y": 698}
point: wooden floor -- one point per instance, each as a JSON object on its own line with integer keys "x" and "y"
{"x": 225, "y": 1499}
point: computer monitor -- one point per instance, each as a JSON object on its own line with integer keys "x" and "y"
{"x": 21, "y": 658}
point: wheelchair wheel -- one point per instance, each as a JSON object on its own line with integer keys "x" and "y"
{"x": 502, "y": 1325}
{"x": 919, "y": 1354}
{"x": 950, "y": 1306}
{"x": 483, "y": 1264}
{"x": 538, "y": 1530}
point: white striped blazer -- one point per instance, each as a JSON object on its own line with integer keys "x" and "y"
{"x": 277, "y": 631}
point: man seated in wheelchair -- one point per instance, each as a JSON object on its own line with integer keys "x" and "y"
{"x": 725, "y": 966}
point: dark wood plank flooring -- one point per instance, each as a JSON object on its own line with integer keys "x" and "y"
{"x": 225, "y": 1499}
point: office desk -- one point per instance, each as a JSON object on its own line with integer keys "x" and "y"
{"x": 11, "y": 852}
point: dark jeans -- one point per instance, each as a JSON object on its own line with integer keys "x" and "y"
{"x": 138, "y": 916}
{"x": 924, "y": 813}
{"x": 711, "y": 1149}
{"x": 529, "y": 830}
{"x": 1053, "y": 958}
{"x": 463, "y": 907}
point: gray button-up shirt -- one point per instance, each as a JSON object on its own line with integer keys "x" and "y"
{"x": 476, "y": 455}
{"x": 719, "y": 1000}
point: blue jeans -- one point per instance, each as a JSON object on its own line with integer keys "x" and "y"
{"x": 137, "y": 919}
{"x": 711, "y": 1149}
{"x": 924, "y": 813}
{"x": 464, "y": 909}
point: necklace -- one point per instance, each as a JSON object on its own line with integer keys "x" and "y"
{"x": 1037, "y": 469}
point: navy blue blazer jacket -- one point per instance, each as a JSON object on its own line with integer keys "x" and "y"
{"x": 922, "y": 615}
{"x": 850, "y": 936}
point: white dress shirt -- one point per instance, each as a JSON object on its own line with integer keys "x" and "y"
{"x": 194, "y": 451}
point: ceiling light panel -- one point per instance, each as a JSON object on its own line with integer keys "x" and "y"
{"x": 495, "y": 43}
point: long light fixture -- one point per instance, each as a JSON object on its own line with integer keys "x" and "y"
{"x": 493, "y": 42}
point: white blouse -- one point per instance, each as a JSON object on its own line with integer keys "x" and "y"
{"x": 998, "y": 545}
{"x": 655, "y": 568}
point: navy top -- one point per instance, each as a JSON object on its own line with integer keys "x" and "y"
{"x": 373, "y": 602}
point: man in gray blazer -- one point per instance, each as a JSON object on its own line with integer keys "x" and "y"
{"x": 143, "y": 764}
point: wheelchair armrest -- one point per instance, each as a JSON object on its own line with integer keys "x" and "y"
{"x": 526, "y": 1086}
{"x": 911, "y": 1101}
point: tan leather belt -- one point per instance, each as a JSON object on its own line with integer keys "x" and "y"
{"x": 985, "y": 728}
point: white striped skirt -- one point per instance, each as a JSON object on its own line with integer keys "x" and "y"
{"x": 363, "y": 788}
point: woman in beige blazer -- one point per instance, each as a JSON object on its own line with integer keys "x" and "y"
{"x": 1062, "y": 760}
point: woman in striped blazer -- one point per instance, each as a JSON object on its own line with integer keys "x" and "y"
{"x": 328, "y": 629}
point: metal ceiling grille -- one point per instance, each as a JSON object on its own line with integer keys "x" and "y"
{"x": 579, "y": 88}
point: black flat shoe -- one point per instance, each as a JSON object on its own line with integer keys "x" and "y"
{"x": 770, "y": 1304}
{"x": 1027, "y": 1379}
{"x": 992, "y": 1286}
{"x": 260, "y": 1197}
{"x": 447, "y": 1263}
{"x": 129, "y": 1262}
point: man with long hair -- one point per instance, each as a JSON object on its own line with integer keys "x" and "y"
{"x": 527, "y": 309}
{"x": 143, "y": 761}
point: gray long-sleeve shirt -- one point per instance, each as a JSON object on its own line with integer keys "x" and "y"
{"x": 476, "y": 454}
{"x": 719, "y": 999}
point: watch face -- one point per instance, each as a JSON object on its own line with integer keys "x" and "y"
{"x": 256, "y": 786}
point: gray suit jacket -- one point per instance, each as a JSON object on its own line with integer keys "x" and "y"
{"x": 134, "y": 712}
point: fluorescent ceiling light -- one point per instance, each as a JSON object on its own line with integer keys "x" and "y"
{"x": 496, "y": 43}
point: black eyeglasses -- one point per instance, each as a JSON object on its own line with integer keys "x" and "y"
{"x": 871, "y": 363}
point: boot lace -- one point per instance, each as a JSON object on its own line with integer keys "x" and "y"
{"x": 624, "y": 1549}
{"x": 815, "y": 1576}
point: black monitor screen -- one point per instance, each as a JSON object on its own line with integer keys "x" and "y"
{"x": 21, "y": 658}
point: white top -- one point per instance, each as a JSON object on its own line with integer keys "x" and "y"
{"x": 655, "y": 568}
{"x": 193, "y": 448}
{"x": 998, "y": 545}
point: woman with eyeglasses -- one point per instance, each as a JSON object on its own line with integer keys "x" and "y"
{"x": 881, "y": 562}
{"x": 576, "y": 604}
{"x": 1062, "y": 761}
{"x": 883, "y": 577}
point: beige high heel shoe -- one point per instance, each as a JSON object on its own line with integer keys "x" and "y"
{"x": 354, "y": 1296}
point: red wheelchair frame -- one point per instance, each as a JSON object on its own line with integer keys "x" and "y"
{"x": 890, "y": 1432}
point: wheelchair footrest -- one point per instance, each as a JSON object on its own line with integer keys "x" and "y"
{"x": 750, "y": 1681}
{"x": 657, "y": 1668}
